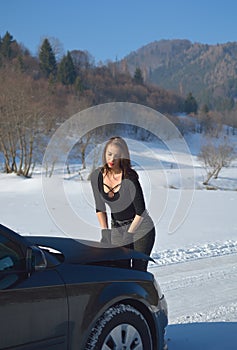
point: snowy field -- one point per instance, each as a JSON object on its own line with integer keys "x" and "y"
{"x": 196, "y": 264}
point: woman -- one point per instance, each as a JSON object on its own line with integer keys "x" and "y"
{"x": 117, "y": 185}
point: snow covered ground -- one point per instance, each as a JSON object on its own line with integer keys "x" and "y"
{"x": 195, "y": 264}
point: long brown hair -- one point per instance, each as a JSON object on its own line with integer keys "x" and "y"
{"x": 124, "y": 161}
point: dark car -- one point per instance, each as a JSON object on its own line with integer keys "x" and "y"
{"x": 61, "y": 293}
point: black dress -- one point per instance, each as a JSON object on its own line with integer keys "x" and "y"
{"x": 124, "y": 205}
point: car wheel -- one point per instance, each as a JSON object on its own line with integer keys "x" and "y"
{"x": 120, "y": 327}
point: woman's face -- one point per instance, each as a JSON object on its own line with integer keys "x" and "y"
{"x": 112, "y": 156}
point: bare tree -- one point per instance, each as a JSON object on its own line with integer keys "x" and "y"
{"x": 24, "y": 119}
{"x": 215, "y": 157}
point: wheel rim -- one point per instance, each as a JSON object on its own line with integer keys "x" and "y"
{"x": 123, "y": 337}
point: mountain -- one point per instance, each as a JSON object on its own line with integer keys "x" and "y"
{"x": 209, "y": 72}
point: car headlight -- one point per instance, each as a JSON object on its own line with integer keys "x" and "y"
{"x": 159, "y": 291}
{"x": 163, "y": 302}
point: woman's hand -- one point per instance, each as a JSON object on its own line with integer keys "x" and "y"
{"x": 135, "y": 224}
{"x": 106, "y": 236}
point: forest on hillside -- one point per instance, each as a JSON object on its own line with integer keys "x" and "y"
{"x": 208, "y": 71}
{"x": 38, "y": 93}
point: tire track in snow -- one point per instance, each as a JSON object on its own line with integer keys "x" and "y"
{"x": 201, "y": 290}
{"x": 223, "y": 313}
{"x": 199, "y": 279}
{"x": 174, "y": 256}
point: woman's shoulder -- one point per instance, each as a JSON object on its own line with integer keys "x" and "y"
{"x": 132, "y": 174}
{"x": 96, "y": 173}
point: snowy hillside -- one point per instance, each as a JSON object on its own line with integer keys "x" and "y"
{"x": 196, "y": 264}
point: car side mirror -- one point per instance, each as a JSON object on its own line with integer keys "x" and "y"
{"x": 36, "y": 260}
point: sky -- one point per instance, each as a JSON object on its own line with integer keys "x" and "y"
{"x": 110, "y": 30}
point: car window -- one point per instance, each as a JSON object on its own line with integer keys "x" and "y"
{"x": 11, "y": 257}
{"x": 12, "y": 263}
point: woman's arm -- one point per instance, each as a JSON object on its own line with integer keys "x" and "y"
{"x": 96, "y": 178}
{"x": 103, "y": 219}
{"x": 135, "y": 223}
{"x": 138, "y": 202}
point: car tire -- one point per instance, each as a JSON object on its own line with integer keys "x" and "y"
{"x": 120, "y": 327}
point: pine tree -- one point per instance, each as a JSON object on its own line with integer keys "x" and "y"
{"x": 6, "y": 50}
{"x": 66, "y": 70}
{"x": 190, "y": 104}
{"x": 138, "y": 77}
{"x": 48, "y": 65}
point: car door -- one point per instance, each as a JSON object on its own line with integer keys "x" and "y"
{"x": 33, "y": 307}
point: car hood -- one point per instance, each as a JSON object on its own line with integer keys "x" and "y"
{"x": 77, "y": 251}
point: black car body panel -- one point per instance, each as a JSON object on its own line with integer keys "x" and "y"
{"x": 77, "y": 251}
{"x": 56, "y": 306}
